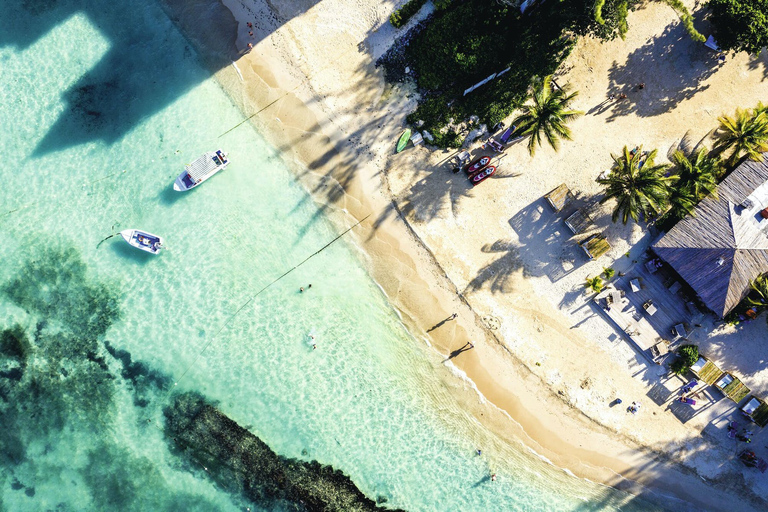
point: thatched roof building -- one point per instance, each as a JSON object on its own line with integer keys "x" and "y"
{"x": 724, "y": 244}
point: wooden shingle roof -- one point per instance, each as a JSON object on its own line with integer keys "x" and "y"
{"x": 723, "y": 245}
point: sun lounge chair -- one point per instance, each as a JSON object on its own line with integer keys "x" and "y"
{"x": 689, "y": 387}
{"x": 559, "y": 197}
{"x": 579, "y": 222}
{"x": 595, "y": 246}
{"x": 686, "y": 400}
{"x": 712, "y": 44}
{"x": 507, "y": 134}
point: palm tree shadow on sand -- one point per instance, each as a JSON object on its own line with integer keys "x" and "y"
{"x": 143, "y": 70}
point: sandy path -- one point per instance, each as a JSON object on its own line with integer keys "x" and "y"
{"x": 334, "y": 119}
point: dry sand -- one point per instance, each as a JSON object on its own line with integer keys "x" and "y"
{"x": 493, "y": 254}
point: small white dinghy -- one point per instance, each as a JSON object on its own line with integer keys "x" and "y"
{"x": 143, "y": 240}
{"x": 200, "y": 170}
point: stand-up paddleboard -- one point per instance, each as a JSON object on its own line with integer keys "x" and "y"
{"x": 404, "y": 138}
{"x": 482, "y": 175}
{"x": 478, "y": 165}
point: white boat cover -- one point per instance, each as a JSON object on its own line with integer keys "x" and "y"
{"x": 204, "y": 166}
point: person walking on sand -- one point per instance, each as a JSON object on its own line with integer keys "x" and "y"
{"x": 453, "y": 316}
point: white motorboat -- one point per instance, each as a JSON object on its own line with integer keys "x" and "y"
{"x": 143, "y": 240}
{"x": 200, "y": 170}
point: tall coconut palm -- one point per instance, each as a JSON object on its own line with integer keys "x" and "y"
{"x": 746, "y": 134}
{"x": 698, "y": 172}
{"x": 639, "y": 186}
{"x": 547, "y": 115}
{"x": 759, "y": 294}
{"x": 682, "y": 202}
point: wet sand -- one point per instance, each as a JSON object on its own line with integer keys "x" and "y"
{"x": 313, "y": 91}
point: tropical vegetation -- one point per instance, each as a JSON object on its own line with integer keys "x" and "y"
{"x": 756, "y": 301}
{"x": 697, "y": 176}
{"x": 608, "y": 272}
{"x": 594, "y": 283}
{"x": 687, "y": 355}
{"x": 547, "y": 115}
{"x": 758, "y": 294}
{"x": 639, "y": 185}
{"x": 401, "y": 16}
{"x": 744, "y": 135}
{"x": 698, "y": 172}
{"x": 740, "y": 25}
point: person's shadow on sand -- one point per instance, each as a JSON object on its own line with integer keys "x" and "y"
{"x": 441, "y": 322}
{"x": 467, "y": 346}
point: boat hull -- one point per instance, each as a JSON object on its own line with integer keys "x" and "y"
{"x": 190, "y": 178}
{"x": 143, "y": 240}
{"x": 403, "y": 141}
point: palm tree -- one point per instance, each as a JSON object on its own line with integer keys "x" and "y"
{"x": 745, "y": 134}
{"x": 682, "y": 202}
{"x": 760, "y": 288}
{"x": 639, "y": 186}
{"x": 594, "y": 283}
{"x": 547, "y": 116}
{"x": 698, "y": 172}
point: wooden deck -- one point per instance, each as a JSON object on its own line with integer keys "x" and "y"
{"x": 642, "y": 329}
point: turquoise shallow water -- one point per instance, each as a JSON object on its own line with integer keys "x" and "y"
{"x": 101, "y": 106}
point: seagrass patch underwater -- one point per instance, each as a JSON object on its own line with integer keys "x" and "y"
{"x": 101, "y": 105}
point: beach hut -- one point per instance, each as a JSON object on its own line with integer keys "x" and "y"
{"x": 756, "y": 410}
{"x": 706, "y": 370}
{"x": 595, "y": 246}
{"x": 579, "y": 222}
{"x": 732, "y": 387}
{"x": 559, "y": 197}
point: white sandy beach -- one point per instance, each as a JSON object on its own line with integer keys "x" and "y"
{"x": 495, "y": 254}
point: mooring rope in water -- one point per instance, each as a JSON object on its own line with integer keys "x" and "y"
{"x": 259, "y": 111}
{"x": 246, "y": 303}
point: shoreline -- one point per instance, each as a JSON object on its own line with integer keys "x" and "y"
{"x": 324, "y": 148}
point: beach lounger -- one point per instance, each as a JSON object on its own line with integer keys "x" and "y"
{"x": 689, "y": 401}
{"x": 689, "y": 387}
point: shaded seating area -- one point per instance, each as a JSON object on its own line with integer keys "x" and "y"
{"x": 732, "y": 387}
{"x": 559, "y": 197}
{"x": 757, "y": 410}
{"x": 595, "y": 246}
{"x": 706, "y": 370}
{"x": 659, "y": 350}
{"x": 580, "y": 222}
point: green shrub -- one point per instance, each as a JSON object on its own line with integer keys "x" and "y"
{"x": 679, "y": 367}
{"x": 465, "y": 42}
{"x": 689, "y": 354}
{"x": 401, "y": 16}
{"x": 594, "y": 283}
{"x": 608, "y": 272}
